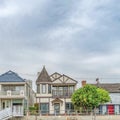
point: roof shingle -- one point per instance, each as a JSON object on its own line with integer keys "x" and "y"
{"x": 11, "y": 76}
{"x": 43, "y": 76}
{"x": 110, "y": 87}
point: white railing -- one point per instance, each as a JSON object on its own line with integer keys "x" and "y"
{"x": 5, "y": 114}
{"x": 12, "y": 93}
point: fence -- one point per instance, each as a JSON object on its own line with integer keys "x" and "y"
{"x": 74, "y": 116}
{"x": 69, "y": 113}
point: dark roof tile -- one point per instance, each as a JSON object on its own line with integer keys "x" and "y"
{"x": 43, "y": 76}
{"x": 11, "y": 76}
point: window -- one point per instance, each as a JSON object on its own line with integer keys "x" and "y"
{"x": 44, "y": 108}
{"x": 69, "y": 107}
{"x": 49, "y": 88}
{"x": 71, "y": 89}
{"x": 18, "y": 88}
{"x": 38, "y": 88}
{"x": 43, "y": 88}
{"x": 60, "y": 92}
{"x": 65, "y": 90}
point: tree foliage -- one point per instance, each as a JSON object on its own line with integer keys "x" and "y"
{"x": 90, "y": 96}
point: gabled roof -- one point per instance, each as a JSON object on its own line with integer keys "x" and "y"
{"x": 64, "y": 79}
{"x": 11, "y": 76}
{"x": 110, "y": 87}
{"x": 55, "y": 75}
{"x": 43, "y": 76}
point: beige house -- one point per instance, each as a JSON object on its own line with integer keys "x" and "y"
{"x": 54, "y": 93}
{"x": 15, "y": 93}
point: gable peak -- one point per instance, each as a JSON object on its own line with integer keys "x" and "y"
{"x": 43, "y": 76}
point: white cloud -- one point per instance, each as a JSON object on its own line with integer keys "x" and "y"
{"x": 8, "y": 10}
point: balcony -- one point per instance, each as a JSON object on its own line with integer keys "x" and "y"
{"x": 61, "y": 93}
{"x": 12, "y": 94}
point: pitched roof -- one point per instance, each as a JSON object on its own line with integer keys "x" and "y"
{"x": 11, "y": 76}
{"x": 110, "y": 87}
{"x": 55, "y": 76}
{"x": 43, "y": 76}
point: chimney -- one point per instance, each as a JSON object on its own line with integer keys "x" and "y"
{"x": 97, "y": 80}
{"x": 83, "y": 83}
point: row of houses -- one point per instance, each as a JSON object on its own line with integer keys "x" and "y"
{"x": 53, "y": 94}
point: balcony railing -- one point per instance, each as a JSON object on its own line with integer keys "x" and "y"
{"x": 61, "y": 93}
{"x": 12, "y": 93}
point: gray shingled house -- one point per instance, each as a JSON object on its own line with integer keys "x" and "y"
{"x": 112, "y": 107}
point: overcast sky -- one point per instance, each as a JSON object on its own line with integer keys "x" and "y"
{"x": 79, "y": 38}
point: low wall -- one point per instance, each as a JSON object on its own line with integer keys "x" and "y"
{"x": 107, "y": 117}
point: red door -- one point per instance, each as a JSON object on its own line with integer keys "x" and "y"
{"x": 110, "y": 109}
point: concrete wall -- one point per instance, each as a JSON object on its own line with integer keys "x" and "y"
{"x": 112, "y": 117}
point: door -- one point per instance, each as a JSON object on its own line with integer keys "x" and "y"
{"x": 110, "y": 109}
{"x": 17, "y": 110}
{"x": 6, "y": 104}
{"x": 57, "y": 108}
{"x": 17, "y": 107}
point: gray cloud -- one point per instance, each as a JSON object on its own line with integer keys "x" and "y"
{"x": 79, "y": 38}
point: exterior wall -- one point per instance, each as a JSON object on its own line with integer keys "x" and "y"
{"x": 62, "y": 88}
{"x": 76, "y": 117}
{"x": 49, "y": 98}
{"x": 112, "y": 107}
{"x": 25, "y": 93}
{"x": 68, "y": 100}
{"x": 109, "y": 109}
{"x": 62, "y": 107}
{"x": 43, "y": 95}
{"x": 17, "y": 105}
{"x": 51, "y": 105}
{"x": 115, "y": 98}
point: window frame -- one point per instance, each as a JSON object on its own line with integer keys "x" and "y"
{"x": 43, "y": 88}
{"x": 49, "y": 88}
{"x": 46, "y": 106}
{"x": 70, "y": 107}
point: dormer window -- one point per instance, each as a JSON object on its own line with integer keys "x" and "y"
{"x": 43, "y": 88}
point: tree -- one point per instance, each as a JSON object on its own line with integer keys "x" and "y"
{"x": 90, "y": 97}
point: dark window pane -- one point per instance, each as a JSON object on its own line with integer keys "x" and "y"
{"x": 44, "y": 107}
{"x": 69, "y": 107}
{"x": 49, "y": 88}
{"x": 38, "y": 88}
